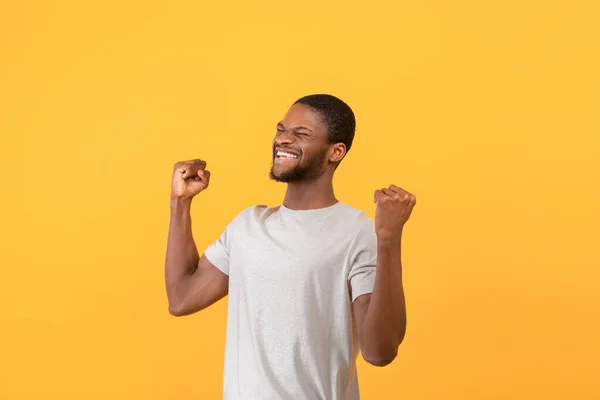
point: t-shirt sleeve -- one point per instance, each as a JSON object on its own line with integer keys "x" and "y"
{"x": 363, "y": 262}
{"x": 218, "y": 252}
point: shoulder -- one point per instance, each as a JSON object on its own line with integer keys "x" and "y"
{"x": 253, "y": 213}
{"x": 356, "y": 227}
{"x": 357, "y": 220}
{"x": 257, "y": 210}
{"x": 361, "y": 234}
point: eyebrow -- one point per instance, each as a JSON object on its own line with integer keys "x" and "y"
{"x": 298, "y": 128}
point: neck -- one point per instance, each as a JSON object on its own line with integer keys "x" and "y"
{"x": 310, "y": 195}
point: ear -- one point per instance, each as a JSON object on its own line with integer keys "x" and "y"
{"x": 337, "y": 152}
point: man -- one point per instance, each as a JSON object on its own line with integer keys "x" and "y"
{"x": 310, "y": 282}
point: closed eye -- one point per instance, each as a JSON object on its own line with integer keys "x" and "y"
{"x": 304, "y": 135}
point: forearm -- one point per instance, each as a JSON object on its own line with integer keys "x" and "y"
{"x": 385, "y": 319}
{"x": 182, "y": 255}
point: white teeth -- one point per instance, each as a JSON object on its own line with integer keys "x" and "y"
{"x": 284, "y": 154}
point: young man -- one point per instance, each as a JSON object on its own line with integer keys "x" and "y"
{"x": 310, "y": 282}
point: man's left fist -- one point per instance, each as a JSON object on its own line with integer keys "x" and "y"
{"x": 394, "y": 206}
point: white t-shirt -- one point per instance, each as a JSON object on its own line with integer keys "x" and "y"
{"x": 293, "y": 275}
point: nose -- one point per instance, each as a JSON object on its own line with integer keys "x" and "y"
{"x": 283, "y": 138}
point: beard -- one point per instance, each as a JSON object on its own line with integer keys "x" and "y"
{"x": 311, "y": 169}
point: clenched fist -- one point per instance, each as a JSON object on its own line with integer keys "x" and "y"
{"x": 394, "y": 206}
{"x": 189, "y": 179}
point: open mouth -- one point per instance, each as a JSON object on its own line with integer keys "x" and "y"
{"x": 285, "y": 156}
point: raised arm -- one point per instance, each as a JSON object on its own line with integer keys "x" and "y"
{"x": 381, "y": 315}
{"x": 192, "y": 282}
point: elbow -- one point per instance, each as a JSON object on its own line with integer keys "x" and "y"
{"x": 383, "y": 354}
{"x": 381, "y": 359}
{"x": 174, "y": 311}
{"x": 177, "y": 302}
{"x": 177, "y": 310}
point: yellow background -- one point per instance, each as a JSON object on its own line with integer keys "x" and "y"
{"x": 487, "y": 111}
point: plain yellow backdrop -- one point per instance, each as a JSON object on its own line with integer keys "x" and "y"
{"x": 487, "y": 111}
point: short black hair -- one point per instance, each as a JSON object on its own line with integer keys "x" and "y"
{"x": 337, "y": 116}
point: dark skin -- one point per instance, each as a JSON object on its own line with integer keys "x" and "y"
{"x": 193, "y": 283}
{"x": 302, "y": 132}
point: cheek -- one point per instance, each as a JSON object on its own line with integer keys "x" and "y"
{"x": 315, "y": 157}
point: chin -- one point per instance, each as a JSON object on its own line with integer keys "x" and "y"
{"x": 278, "y": 177}
{"x": 285, "y": 176}
{"x": 296, "y": 173}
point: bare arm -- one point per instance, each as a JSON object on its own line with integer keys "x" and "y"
{"x": 192, "y": 282}
{"x": 381, "y": 315}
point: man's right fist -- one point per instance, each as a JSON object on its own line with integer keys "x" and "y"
{"x": 189, "y": 179}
